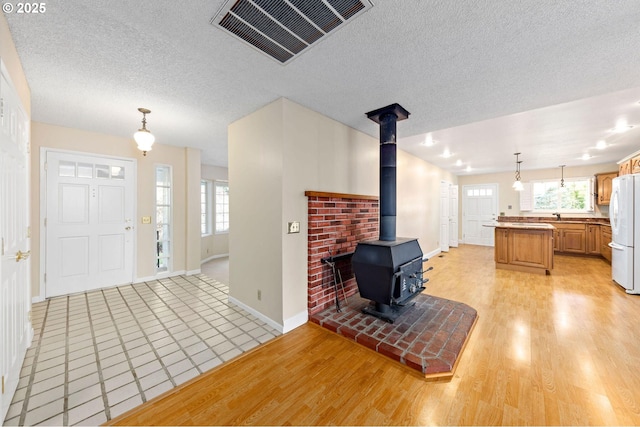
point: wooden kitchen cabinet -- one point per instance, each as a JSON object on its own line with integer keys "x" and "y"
{"x": 570, "y": 238}
{"x": 502, "y": 246}
{"x": 635, "y": 164}
{"x": 624, "y": 168}
{"x": 524, "y": 248}
{"x": 593, "y": 245}
{"x": 604, "y": 182}
{"x": 605, "y": 239}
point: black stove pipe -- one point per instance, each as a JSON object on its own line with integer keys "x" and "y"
{"x": 387, "y": 118}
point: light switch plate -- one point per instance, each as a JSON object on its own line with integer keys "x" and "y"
{"x": 146, "y": 220}
{"x": 293, "y": 227}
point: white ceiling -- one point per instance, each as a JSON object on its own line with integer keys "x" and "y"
{"x": 487, "y": 78}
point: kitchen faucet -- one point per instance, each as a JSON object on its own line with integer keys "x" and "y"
{"x": 557, "y": 215}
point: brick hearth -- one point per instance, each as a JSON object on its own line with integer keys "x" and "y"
{"x": 429, "y": 337}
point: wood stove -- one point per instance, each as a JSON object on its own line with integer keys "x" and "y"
{"x": 389, "y": 270}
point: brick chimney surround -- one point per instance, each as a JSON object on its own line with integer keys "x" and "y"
{"x": 336, "y": 223}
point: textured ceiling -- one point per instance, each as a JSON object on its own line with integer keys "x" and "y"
{"x": 488, "y": 78}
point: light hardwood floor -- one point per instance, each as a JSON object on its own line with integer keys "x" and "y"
{"x": 555, "y": 350}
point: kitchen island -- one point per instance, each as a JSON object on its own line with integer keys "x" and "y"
{"x": 524, "y": 246}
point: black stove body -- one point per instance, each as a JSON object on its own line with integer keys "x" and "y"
{"x": 389, "y": 270}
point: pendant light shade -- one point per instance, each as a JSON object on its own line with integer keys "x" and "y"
{"x": 517, "y": 184}
{"x": 143, "y": 137}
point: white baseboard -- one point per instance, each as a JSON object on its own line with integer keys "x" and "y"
{"x": 160, "y": 276}
{"x": 295, "y": 321}
{"x": 431, "y": 254}
{"x": 192, "y": 272}
{"x": 214, "y": 257}
{"x": 265, "y": 319}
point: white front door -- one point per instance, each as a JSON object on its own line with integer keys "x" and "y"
{"x": 453, "y": 216}
{"x": 444, "y": 216}
{"x": 15, "y": 300}
{"x": 479, "y": 208}
{"x": 89, "y": 222}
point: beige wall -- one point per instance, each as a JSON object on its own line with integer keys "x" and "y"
{"x": 275, "y": 155}
{"x": 255, "y": 208}
{"x": 509, "y": 197}
{"x": 214, "y": 245}
{"x": 186, "y": 195}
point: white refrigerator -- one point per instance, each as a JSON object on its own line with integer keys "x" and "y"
{"x": 624, "y": 213}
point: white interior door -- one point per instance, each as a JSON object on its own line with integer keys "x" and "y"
{"x": 479, "y": 208}
{"x": 15, "y": 300}
{"x": 89, "y": 222}
{"x": 444, "y": 216}
{"x": 453, "y": 216}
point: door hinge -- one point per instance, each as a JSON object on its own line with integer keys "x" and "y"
{"x": 45, "y": 222}
{"x": 28, "y": 232}
{"x": 3, "y": 384}
{"x": 45, "y": 277}
{"x": 2, "y": 248}
{"x": 2, "y": 114}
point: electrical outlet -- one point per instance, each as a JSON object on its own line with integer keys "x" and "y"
{"x": 259, "y": 295}
{"x": 293, "y": 227}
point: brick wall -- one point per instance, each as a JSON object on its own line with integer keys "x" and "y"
{"x": 337, "y": 222}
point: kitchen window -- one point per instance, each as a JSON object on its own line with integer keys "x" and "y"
{"x": 548, "y": 196}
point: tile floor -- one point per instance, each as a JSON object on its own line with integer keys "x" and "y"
{"x": 98, "y": 354}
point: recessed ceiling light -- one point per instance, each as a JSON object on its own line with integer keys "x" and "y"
{"x": 621, "y": 128}
{"x": 458, "y": 162}
{"x": 429, "y": 141}
{"x": 446, "y": 153}
{"x": 585, "y": 156}
{"x": 468, "y": 168}
{"x": 601, "y": 145}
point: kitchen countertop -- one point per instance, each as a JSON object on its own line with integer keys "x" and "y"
{"x": 522, "y": 225}
{"x": 552, "y": 220}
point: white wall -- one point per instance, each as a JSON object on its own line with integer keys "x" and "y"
{"x": 278, "y": 153}
{"x": 214, "y": 245}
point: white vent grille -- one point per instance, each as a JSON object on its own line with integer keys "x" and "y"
{"x": 283, "y": 29}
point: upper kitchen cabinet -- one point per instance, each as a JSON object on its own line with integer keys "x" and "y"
{"x": 635, "y": 164}
{"x": 624, "y": 168}
{"x": 604, "y": 181}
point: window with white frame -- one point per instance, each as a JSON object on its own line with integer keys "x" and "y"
{"x": 575, "y": 197}
{"x": 163, "y": 219}
{"x": 222, "y": 206}
{"x": 205, "y": 207}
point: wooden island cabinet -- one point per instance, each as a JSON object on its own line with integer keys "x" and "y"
{"x": 524, "y": 247}
{"x": 570, "y": 237}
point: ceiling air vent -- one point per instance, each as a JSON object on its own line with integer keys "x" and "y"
{"x": 285, "y": 28}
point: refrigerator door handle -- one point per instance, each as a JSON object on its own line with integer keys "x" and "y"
{"x": 615, "y": 246}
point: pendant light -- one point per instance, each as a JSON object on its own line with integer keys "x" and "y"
{"x": 517, "y": 184}
{"x": 143, "y": 137}
{"x": 562, "y": 176}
